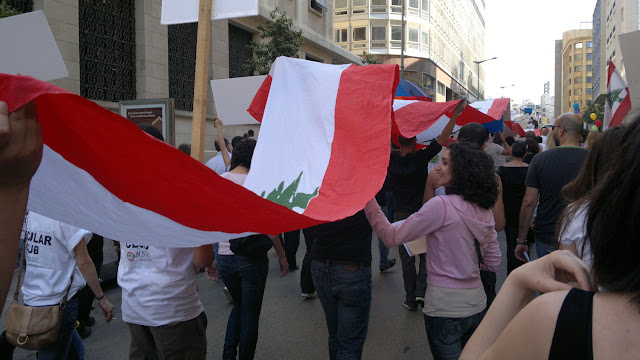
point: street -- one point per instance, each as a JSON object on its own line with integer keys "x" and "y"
{"x": 290, "y": 327}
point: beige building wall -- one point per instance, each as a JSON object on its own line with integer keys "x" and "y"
{"x": 620, "y": 17}
{"x": 151, "y": 49}
{"x": 444, "y": 35}
{"x": 577, "y": 45}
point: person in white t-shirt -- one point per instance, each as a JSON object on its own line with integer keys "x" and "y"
{"x": 159, "y": 298}
{"x": 57, "y": 265}
{"x": 498, "y": 149}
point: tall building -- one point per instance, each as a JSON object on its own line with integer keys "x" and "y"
{"x": 547, "y": 102}
{"x": 576, "y": 69}
{"x": 118, "y": 50}
{"x": 443, "y": 39}
{"x": 614, "y": 17}
{"x": 557, "y": 102}
{"x": 599, "y": 85}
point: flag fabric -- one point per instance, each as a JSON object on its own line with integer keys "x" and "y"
{"x": 618, "y": 102}
{"x": 426, "y": 120}
{"x": 101, "y": 173}
{"x": 515, "y": 127}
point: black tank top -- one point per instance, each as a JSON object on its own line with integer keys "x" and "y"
{"x": 572, "y": 338}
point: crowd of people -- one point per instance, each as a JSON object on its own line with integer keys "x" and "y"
{"x": 563, "y": 190}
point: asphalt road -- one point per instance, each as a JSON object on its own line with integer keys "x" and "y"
{"x": 290, "y": 327}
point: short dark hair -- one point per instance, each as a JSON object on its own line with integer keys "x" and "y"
{"x": 539, "y": 139}
{"x": 235, "y": 140}
{"x": 217, "y": 145}
{"x": 519, "y": 149}
{"x": 614, "y": 235}
{"x": 152, "y": 130}
{"x": 472, "y": 175}
{"x": 185, "y": 148}
{"x": 403, "y": 141}
{"x": 473, "y": 133}
{"x": 243, "y": 153}
{"x": 510, "y": 140}
{"x": 532, "y": 146}
{"x": 530, "y": 134}
{"x": 250, "y": 132}
{"x": 497, "y": 139}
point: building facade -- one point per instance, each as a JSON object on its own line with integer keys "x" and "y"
{"x": 118, "y": 50}
{"x": 576, "y": 69}
{"x": 614, "y": 17}
{"x": 442, "y": 39}
{"x": 599, "y": 85}
{"x": 547, "y": 102}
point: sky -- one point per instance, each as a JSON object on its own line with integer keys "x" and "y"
{"x": 522, "y": 35}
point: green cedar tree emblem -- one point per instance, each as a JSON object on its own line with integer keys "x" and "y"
{"x": 289, "y": 197}
{"x": 614, "y": 97}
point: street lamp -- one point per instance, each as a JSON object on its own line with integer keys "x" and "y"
{"x": 507, "y": 86}
{"x": 480, "y": 62}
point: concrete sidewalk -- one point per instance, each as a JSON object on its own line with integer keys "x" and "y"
{"x": 290, "y": 327}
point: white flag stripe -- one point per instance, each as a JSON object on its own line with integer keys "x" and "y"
{"x": 80, "y": 200}
{"x": 297, "y": 127}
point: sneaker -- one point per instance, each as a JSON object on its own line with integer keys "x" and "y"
{"x": 390, "y": 264}
{"x": 409, "y": 307}
{"x": 420, "y": 301}
{"x": 312, "y": 295}
{"x": 227, "y": 294}
{"x": 89, "y": 323}
{"x": 294, "y": 268}
{"x": 84, "y": 332}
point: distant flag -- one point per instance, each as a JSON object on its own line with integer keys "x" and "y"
{"x": 618, "y": 102}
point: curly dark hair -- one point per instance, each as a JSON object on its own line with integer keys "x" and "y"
{"x": 472, "y": 175}
{"x": 242, "y": 153}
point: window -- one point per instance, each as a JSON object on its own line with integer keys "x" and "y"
{"x": 569, "y": 80}
{"x": 378, "y": 33}
{"x": 359, "y": 3}
{"x": 588, "y": 67}
{"x": 577, "y": 92}
{"x": 589, "y": 44}
{"x": 441, "y": 89}
{"x": 578, "y": 57}
{"x": 588, "y": 102}
{"x": 414, "y": 35}
{"x": 425, "y": 38}
{"x": 341, "y": 4}
{"x": 396, "y": 33}
{"x": 589, "y": 56}
{"x": 414, "y": 4}
{"x": 577, "y": 80}
{"x": 579, "y": 46}
{"x": 577, "y": 68}
{"x": 569, "y": 58}
{"x": 360, "y": 34}
{"x": 569, "y": 69}
{"x": 425, "y": 5}
{"x": 319, "y": 5}
{"x": 579, "y": 102}
{"x": 428, "y": 81}
{"x": 379, "y": 2}
{"x": 569, "y": 92}
{"x": 588, "y": 91}
{"x": 341, "y": 35}
{"x": 589, "y": 79}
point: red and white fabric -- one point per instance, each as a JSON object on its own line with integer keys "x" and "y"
{"x": 618, "y": 102}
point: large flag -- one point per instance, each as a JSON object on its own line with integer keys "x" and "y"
{"x": 101, "y": 173}
{"x": 426, "y": 120}
{"x": 618, "y": 102}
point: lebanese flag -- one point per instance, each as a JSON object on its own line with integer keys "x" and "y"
{"x": 515, "y": 127}
{"x": 101, "y": 173}
{"x": 618, "y": 102}
{"x": 426, "y": 120}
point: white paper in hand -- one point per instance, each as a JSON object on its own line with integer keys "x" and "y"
{"x": 232, "y": 98}
{"x": 28, "y": 47}
{"x": 186, "y": 11}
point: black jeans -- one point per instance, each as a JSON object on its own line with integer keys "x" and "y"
{"x": 415, "y": 284}
{"x": 290, "y": 244}
{"x": 512, "y": 237}
{"x": 306, "y": 279}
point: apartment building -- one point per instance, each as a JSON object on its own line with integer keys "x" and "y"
{"x": 576, "y": 69}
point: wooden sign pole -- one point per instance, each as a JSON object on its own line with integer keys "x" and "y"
{"x": 201, "y": 80}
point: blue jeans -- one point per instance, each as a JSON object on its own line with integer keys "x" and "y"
{"x": 545, "y": 244}
{"x": 448, "y": 336}
{"x": 69, "y": 344}
{"x": 345, "y": 294}
{"x": 245, "y": 278}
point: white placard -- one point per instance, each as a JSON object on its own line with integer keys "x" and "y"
{"x": 631, "y": 55}
{"x": 232, "y": 98}
{"x": 186, "y": 11}
{"x": 27, "y": 47}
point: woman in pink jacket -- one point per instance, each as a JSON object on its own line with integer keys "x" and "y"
{"x": 455, "y": 300}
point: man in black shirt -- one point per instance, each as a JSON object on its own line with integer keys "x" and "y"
{"x": 341, "y": 271}
{"x": 548, "y": 173}
{"x": 408, "y": 170}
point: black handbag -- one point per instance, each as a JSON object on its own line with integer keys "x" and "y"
{"x": 251, "y": 246}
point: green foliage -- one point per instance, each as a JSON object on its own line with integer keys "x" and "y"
{"x": 594, "y": 107}
{"x": 289, "y": 197}
{"x": 283, "y": 42}
{"x": 6, "y": 10}
{"x": 368, "y": 59}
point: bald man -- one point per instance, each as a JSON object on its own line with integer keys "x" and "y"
{"x": 548, "y": 172}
